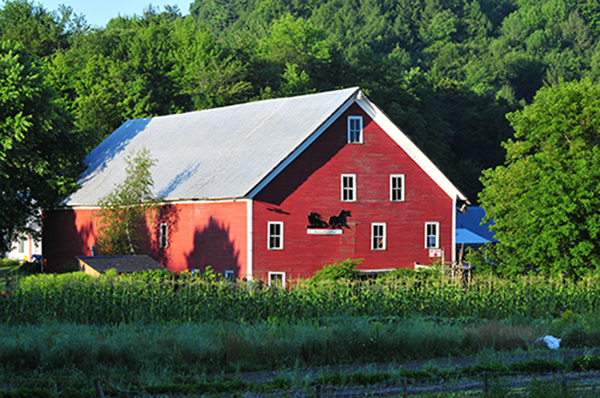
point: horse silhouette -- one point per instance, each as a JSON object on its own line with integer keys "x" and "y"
{"x": 339, "y": 221}
{"x": 316, "y": 221}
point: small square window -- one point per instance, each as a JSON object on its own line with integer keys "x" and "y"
{"x": 163, "y": 242}
{"x": 378, "y": 236}
{"x": 355, "y": 130}
{"x": 277, "y": 280}
{"x": 229, "y": 276}
{"x": 275, "y": 238}
{"x": 397, "y": 187}
{"x": 348, "y": 187}
{"x": 432, "y": 235}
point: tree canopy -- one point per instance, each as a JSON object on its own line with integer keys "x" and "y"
{"x": 445, "y": 71}
{"x": 124, "y": 213}
{"x": 544, "y": 199}
{"x": 41, "y": 153}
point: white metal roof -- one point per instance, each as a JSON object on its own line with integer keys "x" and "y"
{"x": 221, "y": 153}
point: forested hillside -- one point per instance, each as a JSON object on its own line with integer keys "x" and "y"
{"x": 446, "y": 71}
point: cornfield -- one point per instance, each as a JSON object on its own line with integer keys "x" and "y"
{"x": 156, "y": 298}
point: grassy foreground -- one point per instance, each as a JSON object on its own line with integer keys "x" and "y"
{"x": 153, "y": 333}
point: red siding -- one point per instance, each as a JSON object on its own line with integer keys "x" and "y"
{"x": 312, "y": 183}
{"x": 199, "y": 234}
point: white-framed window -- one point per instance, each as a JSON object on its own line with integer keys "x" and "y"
{"x": 378, "y": 236}
{"x": 229, "y": 276}
{"x": 162, "y": 240}
{"x": 277, "y": 280}
{"x": 348, "y": 187}
{"x": 432, "y": 235}
{"x": 355, "y": 130}
{"x": 275, "y": 238}
{"x": 397, "y": 187}
{"x": 22, "y": 245}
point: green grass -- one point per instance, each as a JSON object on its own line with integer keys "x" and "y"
{"x": 160, "y": 333}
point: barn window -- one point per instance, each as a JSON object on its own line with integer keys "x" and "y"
{"x": 277, "y": 280}
{"x": 355, "y": 130}
{"x": 229, "y": 276}
{"x": 348, "y": 187}
{"x": 275, "y": 239}
{"x": 397, "y": 187}
{"x": 432, "y": 235}
{"x": 163, "y": 242}
{"x": 378, "y": 236}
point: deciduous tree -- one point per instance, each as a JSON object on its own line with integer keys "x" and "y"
{"x": 544, "y": 200}
{"x": 124, "y": 213}
{"x": 41, "y": 153}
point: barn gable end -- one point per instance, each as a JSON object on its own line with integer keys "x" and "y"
{"x": 239, "y": 183}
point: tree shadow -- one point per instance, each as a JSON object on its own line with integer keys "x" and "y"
{"x": 112, "y": 146}
{"x": 213, "y": 246}
{"x": 169, "y": 215}
{"x": 63, "y": 240}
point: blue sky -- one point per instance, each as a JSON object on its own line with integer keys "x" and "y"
{"x": 99, "y": 12}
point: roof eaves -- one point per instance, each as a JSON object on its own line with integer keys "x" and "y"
{"x": 305, "y": 144}
{"x": 410, "y": 147}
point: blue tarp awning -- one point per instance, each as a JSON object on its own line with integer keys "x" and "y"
{"x": 467, "y": 237}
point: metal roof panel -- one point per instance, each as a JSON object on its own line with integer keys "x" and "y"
{"x": 210, "y": 154}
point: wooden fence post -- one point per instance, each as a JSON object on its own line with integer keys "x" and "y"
{"x": 485, "y": 383}
{"x": 98, "y": 387}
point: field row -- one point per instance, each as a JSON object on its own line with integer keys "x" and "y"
{"x": 165, "y": 299}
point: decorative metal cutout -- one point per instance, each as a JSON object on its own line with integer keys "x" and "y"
{"x": 315, "y": 220}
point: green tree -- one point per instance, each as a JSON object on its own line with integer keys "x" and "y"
{"x": 544, "y": 200}
{"x": 41, "y": 153}
{"x": 40, "y": 31}
{"x": 125, "y": 212}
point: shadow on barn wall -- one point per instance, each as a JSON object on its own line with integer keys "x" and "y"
{"x": 65, "y": 235}
{"x": 168, "y": 214}
{"x": 213, "y": 246}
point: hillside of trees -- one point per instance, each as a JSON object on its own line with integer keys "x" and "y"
{"x": 446, "y": 71}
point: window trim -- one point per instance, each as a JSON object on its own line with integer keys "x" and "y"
{"x": 352, "y": 189}
{"x": 436, "y": 224}
{"x": 402, "y": 189}
{"x": 352, "y": 131}
{"x": 283, "y": 281}
{"x": 270, "y": 236}
{"x": 163, "y": 237}
{"x": 383, "y": 236}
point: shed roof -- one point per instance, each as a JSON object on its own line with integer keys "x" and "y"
{"x": 122, "y": 264}
{"x": 228, "y": 152}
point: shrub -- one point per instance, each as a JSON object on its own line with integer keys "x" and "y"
{"x": 340, "y": 270}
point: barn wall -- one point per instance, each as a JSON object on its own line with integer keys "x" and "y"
{"x": 312, "y": 183}
{"x": 199, "y": 234}
{"x": 67, "y": 233}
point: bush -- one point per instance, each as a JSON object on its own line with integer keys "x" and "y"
{"x": 336, "y": 271}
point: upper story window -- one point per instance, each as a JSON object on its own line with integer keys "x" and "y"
{"x": 348, "y": 187}
{"x": 397, "y": 187}
{"x": 432, "y": 235}
{"x": 355, "y": 130}
{"x": 163, "y": 242}
{"x": 275, "y": 238}
{"x": 378, "y": 236}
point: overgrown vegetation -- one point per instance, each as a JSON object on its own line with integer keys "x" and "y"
{"x": 174, "y": 333}
{"x": 158, "y": 297}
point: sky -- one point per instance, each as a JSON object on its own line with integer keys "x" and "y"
{"x": 99, "y": 12}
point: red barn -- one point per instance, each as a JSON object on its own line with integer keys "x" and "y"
{"x": 272, "y": 189}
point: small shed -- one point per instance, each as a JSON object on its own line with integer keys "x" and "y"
{"x": 97, "y": 265}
